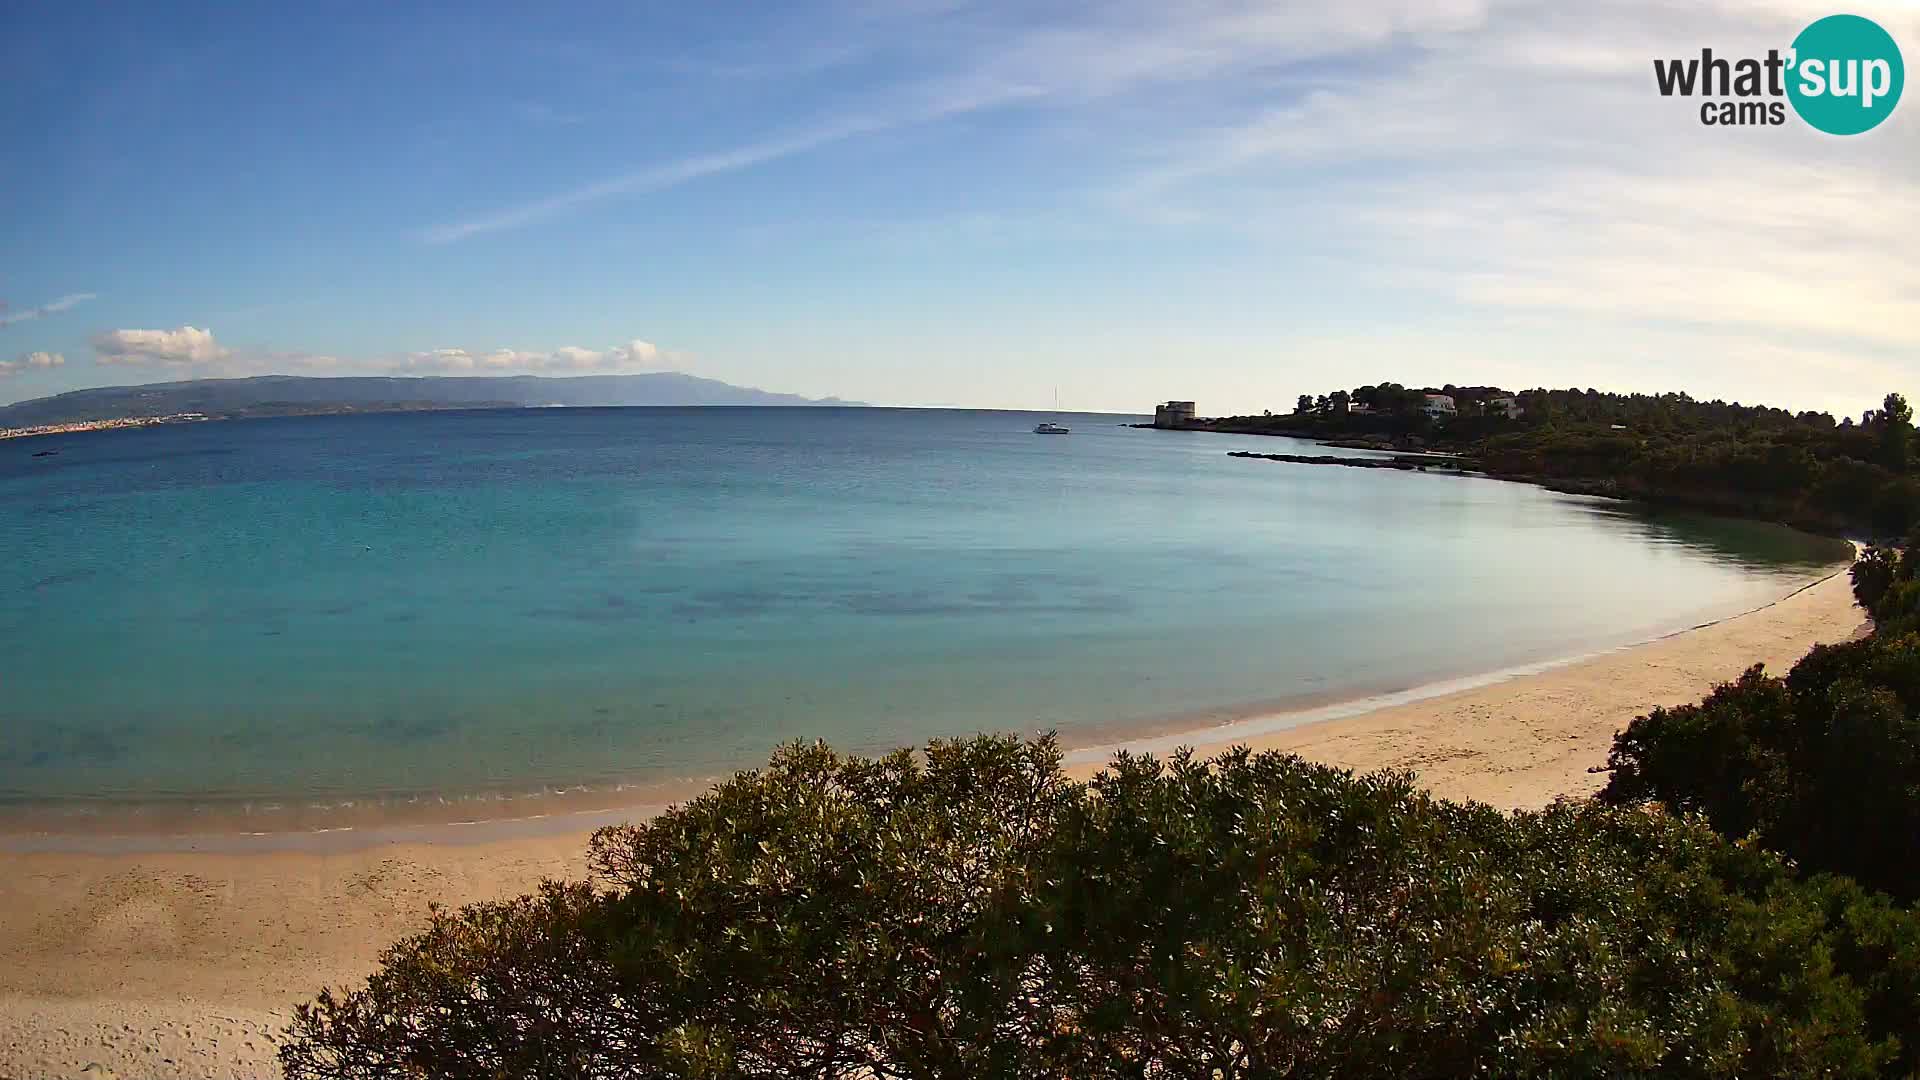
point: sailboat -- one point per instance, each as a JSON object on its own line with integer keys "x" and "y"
{"x": 1049, "y": 428}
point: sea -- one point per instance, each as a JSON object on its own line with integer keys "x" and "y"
{"x": 294, "y": 622}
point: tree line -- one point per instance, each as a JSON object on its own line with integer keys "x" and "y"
{"x": 1803, "y": 468}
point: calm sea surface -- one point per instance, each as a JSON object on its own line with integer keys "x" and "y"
{"x": 378, "y": 608}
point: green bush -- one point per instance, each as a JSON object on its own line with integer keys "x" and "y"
{"x": 1886, "y": 582}
{"x": 1823, "y": 766}
{"x": 1873, "y": 573}
{"x": 970, "y": 912}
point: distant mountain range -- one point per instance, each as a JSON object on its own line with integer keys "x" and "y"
{"x": 292, "y": 395}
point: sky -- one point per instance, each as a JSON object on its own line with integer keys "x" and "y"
{"x": 940, "y": 202}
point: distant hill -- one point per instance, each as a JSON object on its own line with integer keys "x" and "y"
{"x": 292, "y": 395}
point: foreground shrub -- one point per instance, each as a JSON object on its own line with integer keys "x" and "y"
{"x": 1823, "y": 765}
{"x": 1884, "y": 582}
{"x": 974, "y": 913}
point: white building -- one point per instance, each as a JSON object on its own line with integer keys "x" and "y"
{"x": 1173, "y": 414}
{"x": 1508, "y": 406}
{"x": 1439, "y": 406}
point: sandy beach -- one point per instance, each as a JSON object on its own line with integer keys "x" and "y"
{"x": 183, "y": 963}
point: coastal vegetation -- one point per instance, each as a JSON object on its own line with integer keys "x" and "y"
{"x": 970, "y": 911}
{"x": 1822, "y": 764}
{"x": 1802, "y": 468}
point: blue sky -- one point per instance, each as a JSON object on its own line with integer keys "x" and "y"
{"x": 943, "y": 202}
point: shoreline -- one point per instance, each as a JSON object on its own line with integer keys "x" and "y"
{"x": 1523, "y": 739}
{"x": 184, "y": 962}
{"x": 486, "y": 817}
{"x": 1253, "y": 727}
{"x": 187, "y": 961}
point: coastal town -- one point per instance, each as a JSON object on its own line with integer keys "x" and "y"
{"x": 101, "y": 425}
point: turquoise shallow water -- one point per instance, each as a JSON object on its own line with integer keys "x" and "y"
{"x": 310, "y": 611}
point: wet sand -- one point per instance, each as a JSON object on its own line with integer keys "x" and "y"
{"x": 163, "y": 963}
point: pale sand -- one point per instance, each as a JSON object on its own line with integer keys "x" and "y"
{"x": 185, "y": 963}
{"x": 1526, "y": 741}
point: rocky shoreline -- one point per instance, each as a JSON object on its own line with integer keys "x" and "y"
{"x": 1423, "y": 463}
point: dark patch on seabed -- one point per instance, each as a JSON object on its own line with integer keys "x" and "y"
{"x": 735, "y": 603}
{"x": 1008, "y": 601}
{"x": 66, "y": 577}
{"x": 607, "y": 608}
{"x": 415, "y": 727}
{"x": 906, "y": 603}
{"x": 39, "y": 748}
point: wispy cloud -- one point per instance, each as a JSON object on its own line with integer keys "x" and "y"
{"x": 8, "y": 318}
{"x": 1528, "y": 168}
{"x": 674, "y": 173}
{"x": 999, "y": 59}
{"x": 1503, "y": 171}
{"x": 653, "y": 178}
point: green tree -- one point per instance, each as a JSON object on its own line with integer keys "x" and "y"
{"x": 1896, "y": 432}
{"x": 973, "y": 913}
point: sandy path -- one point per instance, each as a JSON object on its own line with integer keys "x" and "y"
{"x": 184, "y": 963}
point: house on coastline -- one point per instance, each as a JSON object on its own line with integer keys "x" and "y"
{"x": 1475, "y": 401}
{"x": 1438, "y": 403}
{"x": 1174, "y": 414}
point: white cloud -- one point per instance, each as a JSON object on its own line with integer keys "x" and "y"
{"x": 442, "y": 360}
{"x": 191, "y": 346}
{"x": 31, "y": 361}
{"x": 574, "y": 356}
{"x": 635, "y": 355}
{"x": 48, "y": 308}
{"x": 184, "y": 346}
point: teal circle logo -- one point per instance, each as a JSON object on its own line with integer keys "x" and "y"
{"x": 1846, "y": 74}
